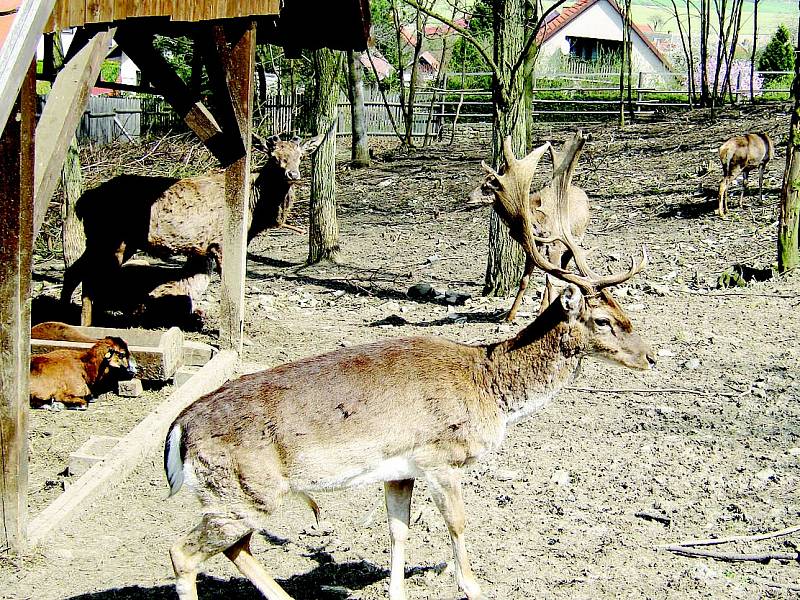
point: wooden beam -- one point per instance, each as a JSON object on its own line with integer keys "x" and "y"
{"x": 144, "y": 439}
{"x": 19, "y": 49}
{"x": 16, "y": 233}
{"x": 60, "y": 118}
{"x": 139, "y": 47}
{"x": 235, "y": 45}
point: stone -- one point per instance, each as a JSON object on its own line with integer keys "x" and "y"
{"x": 130, "y": 388}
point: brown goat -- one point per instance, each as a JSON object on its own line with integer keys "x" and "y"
{"x": 546, "y": 225}
{"x": 166, "y": 215}
{"x": 388, "y": 412}
{"x": 73, "y": 377}
{"x": 740, "y": 155}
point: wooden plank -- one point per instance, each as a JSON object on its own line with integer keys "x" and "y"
{"x": 60, "y": 118}
{"x": 16, "y": 216}
{"x": 120, "y": 9}
{"x": 139, "y": 47}
{"x": 144, "y": 439}
{"x": 236, "y": 46}
{"x": 19, "y": 49}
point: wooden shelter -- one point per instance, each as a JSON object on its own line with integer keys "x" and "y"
{"x": 32, "y": 154}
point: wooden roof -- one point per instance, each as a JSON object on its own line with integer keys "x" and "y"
{"x": 73, "y": 13}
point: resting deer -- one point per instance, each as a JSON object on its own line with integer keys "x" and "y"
{"x": 740, "y": 155}
{"x": 390, "y": 412}
{"x": 545, "y": 223}
{"x": 165, "y": 216}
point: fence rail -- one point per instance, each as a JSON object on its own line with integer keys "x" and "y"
{"x": 579, "y": 96}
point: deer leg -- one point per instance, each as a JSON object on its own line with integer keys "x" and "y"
{"x": 445, "y": 488}
{"x": 239, "y": 554}
{"x": 761, "y": 183}
{"x": 744, "y": 187}
{"x": 523, "y": 285}
{"x": 210, "y": 537}
{"x": 398, "y": 510}
{"x": 86, "y": 311}
{"x": 72, "y": 278}
{"x": 723, "y": 197}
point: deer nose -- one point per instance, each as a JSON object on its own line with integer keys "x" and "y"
{"x": 651, "y": 360}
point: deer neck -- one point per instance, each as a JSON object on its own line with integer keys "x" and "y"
{"x": 528, "y": 370}
{"x": 267, "y": 197}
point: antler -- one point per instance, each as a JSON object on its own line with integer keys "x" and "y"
{"x": 513, "y": 206}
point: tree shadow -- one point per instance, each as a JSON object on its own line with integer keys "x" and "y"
{"x": 705, "y": 206}
{"x": 329, "y": 580}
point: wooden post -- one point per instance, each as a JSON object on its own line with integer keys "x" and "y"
{"x": 16, "y": 233}
{"x": 236, "y": 47}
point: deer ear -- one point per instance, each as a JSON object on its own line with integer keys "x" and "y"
{"x": 572, "y": 300}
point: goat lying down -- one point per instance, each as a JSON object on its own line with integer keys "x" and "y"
{"x": 72, "y": 378}
{"x": 166, "y": 215}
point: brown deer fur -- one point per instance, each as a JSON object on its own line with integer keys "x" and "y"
{"x": 55, "y": 330}
{"x": 166, "y": 215}
{"x": 389, "y": 412}
{"x": 740, "y": 155}
{"x": 72, "y": 377}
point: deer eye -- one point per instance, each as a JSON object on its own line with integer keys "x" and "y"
{"x": 602, "y": 323}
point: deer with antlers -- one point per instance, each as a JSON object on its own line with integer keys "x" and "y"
{"x": 545, "y": 222}
{"x": 388, "y": 412}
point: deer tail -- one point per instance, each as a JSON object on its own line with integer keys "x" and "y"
{"x": 174, "y": 454}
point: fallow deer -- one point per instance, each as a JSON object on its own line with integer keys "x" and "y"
{"x": 165, "y": 215}
{"x": 545, "y": 223}
{"x": 390, "y": 412}
{"x": 740, "y": 155}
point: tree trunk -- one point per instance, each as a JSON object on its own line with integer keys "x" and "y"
{"x": 704, "y": 29}
{"x": 789, "y": 217}
{"x": 359, "y": 150}
{"x": 72, "y": 237}
{"x": 506, "y": 259}
{"x": 323, "y": 230}
{"x": 531, "y": 16}
{"x": 753, "y": 52}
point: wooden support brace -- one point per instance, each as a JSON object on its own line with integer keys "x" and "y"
{"x": 234, "y": 48}
{"x": 16, "y": 229}
{"x": 18, "y": 49}
{"x": 155, "y": 69}
{"x": 60, "y": 118}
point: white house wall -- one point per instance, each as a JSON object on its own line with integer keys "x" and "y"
{"x": 601, "y": 21}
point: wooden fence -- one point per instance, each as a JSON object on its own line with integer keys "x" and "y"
{"x": 564, "y": 96}
{"x": 109, "y": 119}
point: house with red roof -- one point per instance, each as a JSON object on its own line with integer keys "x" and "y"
{"x": 590, "y": 29}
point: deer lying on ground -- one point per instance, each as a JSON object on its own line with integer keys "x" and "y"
{"x": 73, "y": 377}
{"x": 165, "y": 215}
{"x": 391, "y": 412}
{"x": 545, "y": 223}
{"x": 56, "y": 330}
{"x": 740, "y": 155}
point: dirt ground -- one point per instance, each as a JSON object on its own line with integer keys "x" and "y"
{"x": 709, "y": 441}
